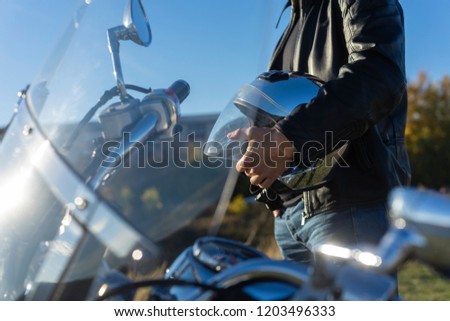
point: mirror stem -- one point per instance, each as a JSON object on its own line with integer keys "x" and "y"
{"x": 396, "y": 246}
{"x": 114, "y": 36}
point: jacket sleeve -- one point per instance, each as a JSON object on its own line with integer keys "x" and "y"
{"x": 367, "y": 88}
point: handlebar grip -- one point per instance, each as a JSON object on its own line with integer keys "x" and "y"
{"x": 180, "y": 88}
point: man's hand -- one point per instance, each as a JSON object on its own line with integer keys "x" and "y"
{"x": 268, "y": 154}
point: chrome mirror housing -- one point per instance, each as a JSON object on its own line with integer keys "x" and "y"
{"x": 135, "y": 27}
{"x": 427, "y": 213}
{"x": 136, "y": 22}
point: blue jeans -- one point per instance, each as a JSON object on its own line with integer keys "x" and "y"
{"x": 355, "y": 226}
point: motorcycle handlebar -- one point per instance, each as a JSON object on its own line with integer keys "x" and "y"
{"x": 181, "y": 89}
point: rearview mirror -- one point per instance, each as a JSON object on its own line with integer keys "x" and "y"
{"x": 136, "y": 22}
{"x": 135, "y": 27}
{"x": 428, "y": 213}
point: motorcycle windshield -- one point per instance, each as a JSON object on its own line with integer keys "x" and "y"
{"x": 121, "y": 163}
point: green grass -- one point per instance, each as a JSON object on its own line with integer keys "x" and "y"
{"x": 418, "y": 282}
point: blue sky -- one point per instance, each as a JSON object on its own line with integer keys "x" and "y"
{"x": 27, "y": 35}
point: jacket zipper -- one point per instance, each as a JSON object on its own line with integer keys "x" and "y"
{"x": 306, "y": 214}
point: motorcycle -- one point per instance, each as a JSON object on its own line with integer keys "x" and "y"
{"x": 96, "y": 182}
{"x": 93, "y": 194}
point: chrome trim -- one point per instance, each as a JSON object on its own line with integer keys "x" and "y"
{"x": 420, "y": 207}
{"x": 114, "y": 231}
{"x": 135, "y": 20}
{"x": 358, "y": 284}
{"x": 129, "y": 30}
{"x": 141, "y": 131}
{"x": 97, "y": 216}
{"x": 114, "y": 35}
{"x": 396, "y": 246}
{"x": 262, "y": 268}
{"x": 427, "y": 214}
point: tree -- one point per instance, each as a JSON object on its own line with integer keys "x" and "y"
{"x": 428, "y": 131}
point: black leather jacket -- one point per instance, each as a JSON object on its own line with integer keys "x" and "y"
{"x": 357, "y": 48}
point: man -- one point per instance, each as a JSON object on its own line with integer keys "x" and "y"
{"x": 357, "y": 48}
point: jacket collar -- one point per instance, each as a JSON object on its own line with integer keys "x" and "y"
{"x": 301, "y": 4}
{"x": 296, "y": 5}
